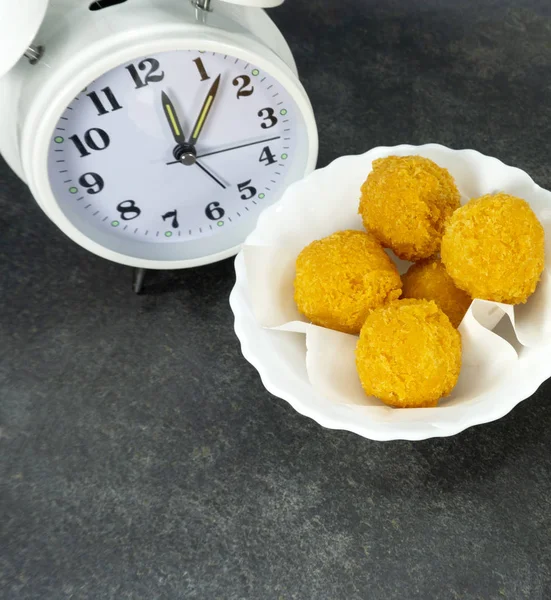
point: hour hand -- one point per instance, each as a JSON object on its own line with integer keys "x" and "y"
{"x": 173, "y": 121}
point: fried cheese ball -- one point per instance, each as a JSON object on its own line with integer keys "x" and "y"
{"x": 405, "y": 202}
{"x": 493, "y": 248}
{"x": 429, "y": 280}
{"x": 408, "y": 354}
{"x": 340, "y": 278}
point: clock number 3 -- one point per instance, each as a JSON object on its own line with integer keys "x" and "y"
{"x": 267, "y": 116}
{"x": 153, "y": 65}
{"x": 95, "y": 139}
{"x": 128, "y": 210}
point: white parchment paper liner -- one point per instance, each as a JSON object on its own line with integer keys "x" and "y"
{"x": 493, "y": 334}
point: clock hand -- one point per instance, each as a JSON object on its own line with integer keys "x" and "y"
{"x": 173, "y": 121}
{"x": 205, "y": 109}
{"x": 222, "y": 185}
{"x": 240, "y": 146}
{"x": 232, "y": 148}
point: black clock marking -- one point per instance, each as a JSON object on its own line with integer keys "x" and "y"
{"x": 214, "y": 211}
{"x": 93, "y": 182}
{"x": 150, "y": 77}
{"x": 201, "y": 68}
{"x": 268, "y": 118}
{"x": 249, "y": 190}
{"x": 174, "y": 215}
{"x": 91, "y": 140}
{"x": 245, "y": 81}
{"x": 99, "y": 104}
{"x": 129, "y": 210}
{"x": 267, "y": 156}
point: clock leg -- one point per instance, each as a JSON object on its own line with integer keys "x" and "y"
{"x": 138, "y": 276}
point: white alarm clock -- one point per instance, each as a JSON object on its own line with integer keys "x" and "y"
{"x": 152, "y": 132}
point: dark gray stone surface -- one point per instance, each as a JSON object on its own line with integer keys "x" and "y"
{"x": 141, "y": 456}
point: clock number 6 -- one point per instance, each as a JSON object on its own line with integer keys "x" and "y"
{"x": 269, "y": 112}
{"x": 128, "y": 210}
{"x": 214, "y": 211}
{"x": 250, "y": 190}
{"x": 91, "y": 140}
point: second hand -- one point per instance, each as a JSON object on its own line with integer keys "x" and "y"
{"x": 232, "y": 148}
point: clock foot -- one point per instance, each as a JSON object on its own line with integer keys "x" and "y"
{"x": 138, "y": 276}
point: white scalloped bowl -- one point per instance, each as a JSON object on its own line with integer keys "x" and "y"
{"x": 279, "y": 357}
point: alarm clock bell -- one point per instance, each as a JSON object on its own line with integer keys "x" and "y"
{"x": 19, "y": 24}
{"x": 21, "y": 20}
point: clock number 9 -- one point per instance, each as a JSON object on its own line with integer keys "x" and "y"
{"x": 93, "y": 182}
{"x": 128, "y": 210}
{"x": 246, "y": 82}
{"x": 91, "y": 140}
{"x": 269, "y": 112}
{"x": 214, "y": 212}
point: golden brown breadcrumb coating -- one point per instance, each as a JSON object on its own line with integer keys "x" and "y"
{"x": 340, "y": 278}
{"x": 405, "y": 202}
{"x": 493, "y": 248}
{"x": 429, "y": 280}
{"x": 408, "y": 354}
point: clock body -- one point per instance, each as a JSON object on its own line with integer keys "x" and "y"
{"x": 88, "y": 128}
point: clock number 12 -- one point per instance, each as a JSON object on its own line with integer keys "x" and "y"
{"x": 150, "y": 77}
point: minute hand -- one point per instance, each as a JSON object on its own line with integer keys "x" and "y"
{"x": 203, "y": 114}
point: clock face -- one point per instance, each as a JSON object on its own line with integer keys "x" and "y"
{"x": 175, "y": 154}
